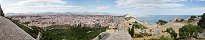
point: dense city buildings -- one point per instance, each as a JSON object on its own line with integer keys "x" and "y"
{"x": 73, "y": 20}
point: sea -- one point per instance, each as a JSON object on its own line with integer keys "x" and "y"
{"x": 152, "y": 19}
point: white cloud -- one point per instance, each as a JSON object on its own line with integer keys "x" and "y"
{"x": 196, "y": 10}
{"x": 39, "y": 2}
{"x": 183, "y": 11}
{"x": 103, "y": 7}
{"x": 24, "y": 6}
{"x": 152, "y": 3}
{"x": 161, "y": 7}
{"x": 53, "y": 7}
{"x": 25, "y": 9}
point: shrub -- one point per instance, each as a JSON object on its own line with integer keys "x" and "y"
{"x": 201, "y": 22}
{"x": 165, "y": 38}
{"x": 138, "y": 25}
{"x": 189, "y": 30}
{"x": 180, "y": 20}
{"x": 131, "y": 31}
{"x": 171, "y": 32}
{"x": 139, "y": 35}
{"x": 162, "y": 22}
{"x": 192, "y": 19}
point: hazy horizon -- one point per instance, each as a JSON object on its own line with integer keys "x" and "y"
{"x": 113, "y": 7}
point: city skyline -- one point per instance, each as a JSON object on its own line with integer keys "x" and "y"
{"x": 114, "y": 7}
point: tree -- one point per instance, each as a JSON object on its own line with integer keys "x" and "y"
{"x": 138, "y": 25}
{"x": 189, "y": 31}
{"x": 162, "y": 22}
{"x": 201, "y": 22}
{"x": 131, "y": 31}
{"x": 180, "y": 20}
{"x": 171, "y": 32}
{"x": 192, "y": 19}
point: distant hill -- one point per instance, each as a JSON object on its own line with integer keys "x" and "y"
{"x": 51, "y": 13}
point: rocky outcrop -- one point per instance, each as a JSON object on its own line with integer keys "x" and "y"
{"x": 10, "y": 31}
{"x": 1, "y": 12}
{"x": 118, "y": 35}
{"x": 119, "y": 30}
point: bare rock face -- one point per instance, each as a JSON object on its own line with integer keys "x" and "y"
{"x": 119, "y": 31}
{"x": 118, "y": 35}
{"x": 10, "y": 31}
{"x": 1, "y": 12}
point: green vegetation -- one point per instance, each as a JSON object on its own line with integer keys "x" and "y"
{"x": 72, "y": 33}
{"x": 165, "y": 38}
{"x": 139, "y": 35}
{"x": 201, "y": 22}
{"x": 192, "y": 19}
{"x": 60, "y": 32}
{"x": 162, "y": 38}
{"x": 132, "y": 31}
{"x": 33, "y": 31}
{"x": 138, "y": 25}
{"x": 180, "y": 20}
{"x": 171, "y": 32}
{"x": 162, "y": 22}
{"x": 189, "y": 31}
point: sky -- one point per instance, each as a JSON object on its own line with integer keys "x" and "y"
{"x": 114, "y": 7}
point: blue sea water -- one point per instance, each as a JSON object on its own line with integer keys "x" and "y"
{"x": 152, "y": 19}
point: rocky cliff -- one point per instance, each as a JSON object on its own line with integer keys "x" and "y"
{"x": 119, "y": 32}
{"x": 1, "y": 12}
{"x": 10, "y": 31}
